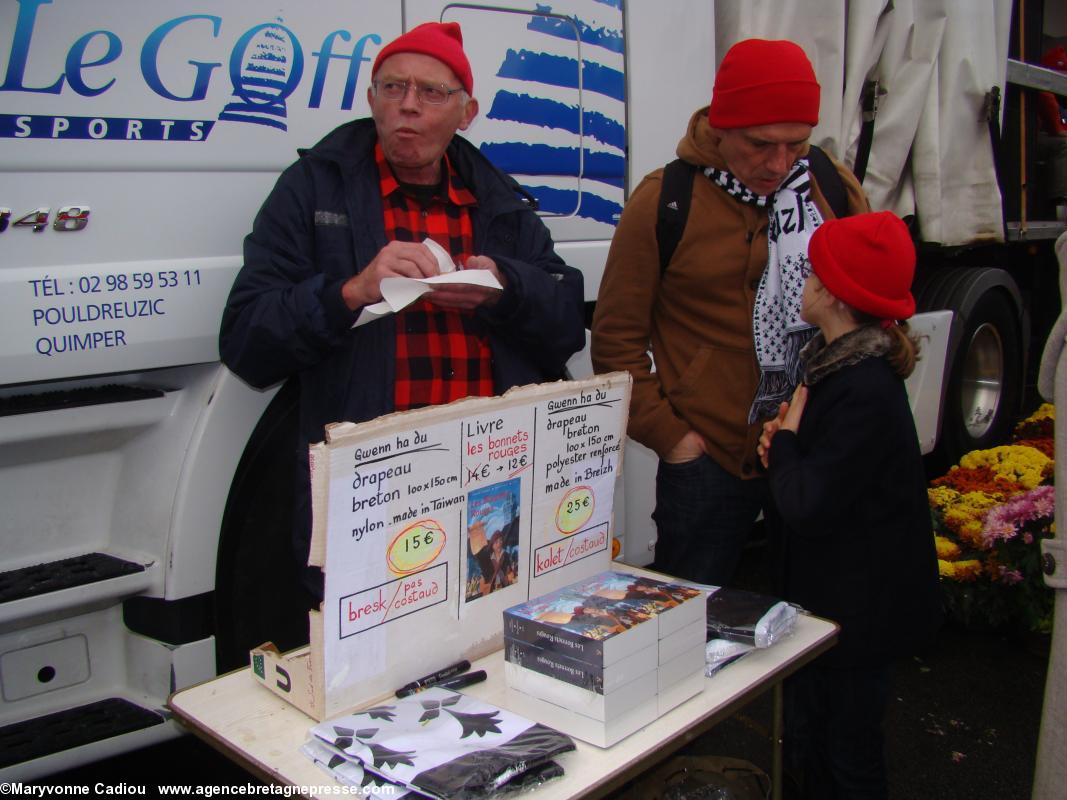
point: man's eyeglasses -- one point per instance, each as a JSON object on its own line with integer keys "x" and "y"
{"x": 434, "y": 94}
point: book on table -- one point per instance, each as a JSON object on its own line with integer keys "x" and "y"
{"x": 605, "y": 656}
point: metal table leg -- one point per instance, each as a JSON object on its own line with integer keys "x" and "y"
{"x": 777, "y": 726}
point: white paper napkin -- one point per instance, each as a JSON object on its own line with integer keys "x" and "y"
{"x": 398, "y": 292}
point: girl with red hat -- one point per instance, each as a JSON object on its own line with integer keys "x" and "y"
{"x": 846, "y": 474}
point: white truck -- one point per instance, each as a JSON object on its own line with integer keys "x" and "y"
{"x": 144, "y": 489}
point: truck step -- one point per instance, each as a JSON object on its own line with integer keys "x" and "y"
{"x": 18, "y": 584}
{"x": 74, "y": 727}
{"x": 74, "y": 398}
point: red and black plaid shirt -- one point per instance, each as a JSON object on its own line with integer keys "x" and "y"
{"x": 441, "y": 354}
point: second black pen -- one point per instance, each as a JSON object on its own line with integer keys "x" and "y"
{"x": 461, "y": 681}
{"x": 434, "y": 678}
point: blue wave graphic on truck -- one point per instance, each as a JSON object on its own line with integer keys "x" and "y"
{"x": 530, "y": 70}
{"x": 600, "y": 37}
{"x": 552, "y": 114}
{"x": 265, "y": 78}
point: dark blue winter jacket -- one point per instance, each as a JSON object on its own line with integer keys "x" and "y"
{"x": 322, "y": 224}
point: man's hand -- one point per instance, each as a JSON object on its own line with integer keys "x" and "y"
{"x": 404, "y": 259}
{"x": 467, "y": 297}
{"x": 690, "y": 447}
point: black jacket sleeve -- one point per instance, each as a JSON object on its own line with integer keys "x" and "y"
{"x": 541, "y": 313}
{"x": 283, "y": 314}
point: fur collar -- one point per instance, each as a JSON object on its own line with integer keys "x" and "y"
{"x": 822, "y": 359}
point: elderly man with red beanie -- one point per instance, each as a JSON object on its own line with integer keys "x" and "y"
{"x": 357, "y": 208}
{"x": 720, "y": 321}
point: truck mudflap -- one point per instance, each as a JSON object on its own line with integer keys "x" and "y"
{"x": 986, "y": 361}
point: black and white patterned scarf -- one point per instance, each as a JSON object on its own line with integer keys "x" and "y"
{"x": 778, "y": 330}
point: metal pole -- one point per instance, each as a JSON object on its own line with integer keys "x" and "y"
{"x": 1023, "y": 177}
{"x": 1050, "y": 778}
{"x": 777, "y": 727}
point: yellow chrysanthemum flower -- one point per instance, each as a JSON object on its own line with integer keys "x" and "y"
{"x": 1014, "y": 462}
{"x": 965, "y": 516}
{"x": 1044, "y": 411}
{"x": 967, "y": 570}
{"x": 947, "y": 549}
{"x": 942, "y": 496}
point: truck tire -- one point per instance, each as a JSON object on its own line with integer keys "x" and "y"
{"x": 258, "y": 596}
{"x": 984, "y": 386}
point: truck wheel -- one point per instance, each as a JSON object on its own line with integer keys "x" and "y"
{"x": 257, "y": 594}
{"x": 985, "y": 381}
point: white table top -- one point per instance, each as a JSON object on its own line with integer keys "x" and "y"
{"x": 263, "y": 733}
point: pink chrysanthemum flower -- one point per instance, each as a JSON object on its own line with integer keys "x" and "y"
{"x": 1009, "y": 576}
{"x": 1006, "y": 520}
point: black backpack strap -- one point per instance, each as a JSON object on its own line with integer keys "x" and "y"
{"x": 829, "y": 179}
{"x": 872, "y": 91}
{"x": 676, "y": 190}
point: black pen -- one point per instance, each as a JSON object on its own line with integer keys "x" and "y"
{"x": 461, "y": 681}
{"x": 433, "y": 678}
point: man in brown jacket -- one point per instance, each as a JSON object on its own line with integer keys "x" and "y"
{"x": 721, "y": 321}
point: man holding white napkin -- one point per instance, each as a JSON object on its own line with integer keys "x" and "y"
{"x": 358, "y": 209}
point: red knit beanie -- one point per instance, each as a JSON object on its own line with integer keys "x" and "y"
{"x": 1055, "y": 58}
{"x": 868, "y": 262}
{"x": 441, "y": 40}
{"x": 762, "y": 82}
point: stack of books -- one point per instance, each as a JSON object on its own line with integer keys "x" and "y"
{"x": 603, "y": 657}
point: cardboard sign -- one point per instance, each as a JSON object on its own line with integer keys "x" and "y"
{"x": 429, "y": 523}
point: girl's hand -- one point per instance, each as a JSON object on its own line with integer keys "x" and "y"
{"x": 770, "y": 427}
{"x": 796, "y": 409}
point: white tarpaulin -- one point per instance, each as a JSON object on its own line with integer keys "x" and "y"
{"x": 936, "y": 61}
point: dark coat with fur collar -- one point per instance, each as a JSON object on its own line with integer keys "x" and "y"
{"x": 851, "y": 490}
